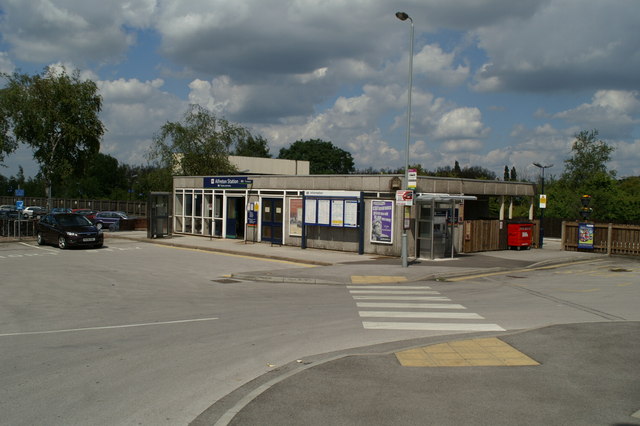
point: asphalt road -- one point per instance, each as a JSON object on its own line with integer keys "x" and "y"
{"x": 137, "y": 333}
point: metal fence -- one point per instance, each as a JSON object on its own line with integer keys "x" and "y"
{"x": 17, "y": 228}
{"x": 130, "y": 207}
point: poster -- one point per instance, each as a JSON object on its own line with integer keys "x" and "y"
{"x": 295, "y": 216}
{"x": 350, "y": 213}
{"x": 324, "y": 209}
{"x": 310, "y": 212}
{"x": 382, "y": 221}
{"x": 337, "y": 212}
{"x": 585, "y": 235}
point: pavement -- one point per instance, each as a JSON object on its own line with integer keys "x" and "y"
{"x": 551, "y": 375}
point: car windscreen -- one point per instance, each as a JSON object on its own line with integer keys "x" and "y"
{"x": 72, "y": 220}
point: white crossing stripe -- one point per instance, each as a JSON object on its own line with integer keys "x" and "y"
{"x": 409, "y": 302}
{"x": 396, "y": 314}
{"x": 388, "y": 287}
{"x": 393, "y": 292}
{"x": 416, "y": 298}
{"x": 410, "y": 305}
{"x": 421, "y": 326}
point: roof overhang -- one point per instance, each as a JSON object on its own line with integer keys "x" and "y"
{"x": 439, "y": 197}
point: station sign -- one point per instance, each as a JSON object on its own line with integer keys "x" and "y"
{"x": 227, "y": 182}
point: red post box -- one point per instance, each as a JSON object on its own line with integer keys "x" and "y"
{"x": 519, "y": 235}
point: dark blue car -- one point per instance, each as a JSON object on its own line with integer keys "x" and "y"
{"x": 68, "y": 230}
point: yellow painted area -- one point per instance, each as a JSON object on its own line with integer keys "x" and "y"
{"x": 376, "y": 279}
{"x": 242, "y": 256}
{"x": 486, "y": 352}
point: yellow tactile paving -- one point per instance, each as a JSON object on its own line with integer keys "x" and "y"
{"x": 466, "y": 353}
{"x": 376, "y": 279}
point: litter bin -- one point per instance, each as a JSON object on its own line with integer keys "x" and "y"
{"x": 519, "y": 235}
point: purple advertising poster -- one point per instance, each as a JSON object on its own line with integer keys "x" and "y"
{"x": 382, "y": 221}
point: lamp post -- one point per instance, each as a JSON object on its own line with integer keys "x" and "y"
{"x": 540, "y": 166}
{"x": 403, "y": 17}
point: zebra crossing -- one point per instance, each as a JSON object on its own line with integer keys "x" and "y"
{"x": 413, "y": 308}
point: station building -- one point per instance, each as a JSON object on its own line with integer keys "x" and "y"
{"x": 357, "y": 213}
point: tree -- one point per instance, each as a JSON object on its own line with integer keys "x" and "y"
{"x": 325, "y": 158}
{"x": 514, "y": 174}
{"x": 589, "y": 159}
{"x": 252, "y": 146}
{"x": 198, "y": 146}
{"x": 56, "y": 114}
{"x": 506, "y": 173}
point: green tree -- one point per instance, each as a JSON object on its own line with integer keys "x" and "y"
{"x": 324, "y": 157}
{"x": 56, "y": 114}
{"x": 252, "y": 146}
{"x": 506, "y": 173}
{"x": 589, "y": 159}
{"x": 514, "y": 175}
{"x": 197, "y": 146}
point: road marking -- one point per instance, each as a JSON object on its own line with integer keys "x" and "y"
{"x": 410, "y": 305}
{"x": 416, "y": 298}
{"x": 442, "y": 315}
{"x": 109, "y": 327}
{"x": 368, "y": 279}
{"x": 467, "y": 353}
{"x": 539, "y": 268}
{"x": 388, "y": 287}
{"x": 430, "y": 326}
{"x": 393, "y": 292}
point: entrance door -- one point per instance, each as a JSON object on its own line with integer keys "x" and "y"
{"x": 235, "y": 217}
{"x": 272, "y": 214}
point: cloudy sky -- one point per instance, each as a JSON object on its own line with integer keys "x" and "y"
{"x": 495, "y": 82}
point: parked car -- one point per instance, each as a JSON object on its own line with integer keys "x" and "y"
{"x": 88, "y": 213}
{"x": 33, "y": 211}
{"x": 110, "y": 220}
{"x": 60, "y": 210}
{"x": 68, "y": 230}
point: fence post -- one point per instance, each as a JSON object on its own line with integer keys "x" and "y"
{"x": 609, "y": 238}
{"x": 563, "y": 234}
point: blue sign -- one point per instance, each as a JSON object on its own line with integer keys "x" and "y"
{"x": 227, "y": 182}
{"x": 19, "y": 192}
{"x": 20, "y": 205}
{"x": 585, "y": 235}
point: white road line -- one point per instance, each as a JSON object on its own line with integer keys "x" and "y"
{"x": 388, "y": 287}
{"x": 395, "y": 314}
{"x": 416, "y": 298}
{"x": 393, "y": 292}
{"x": 110, "y": 327}
{"x": 430, "y": 326}
{"x": 410, "y": 305}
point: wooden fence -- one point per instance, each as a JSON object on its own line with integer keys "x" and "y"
{"x": 492, "y": 234}
{"x": 607, "y": 238}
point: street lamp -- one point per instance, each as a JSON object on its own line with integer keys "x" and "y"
{"x": 540, "y": 166}
{"x": 403, "y": 17}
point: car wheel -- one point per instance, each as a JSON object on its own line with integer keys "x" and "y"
{"x": 99, "y": 225}
{"x": 99, "y": 245}
{"x": 62, "y": 242}
{"x": 40, "y": 239}
{"x": 113, "y": 227}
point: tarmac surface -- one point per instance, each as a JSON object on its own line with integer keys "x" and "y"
{"x": 574, "y": 374}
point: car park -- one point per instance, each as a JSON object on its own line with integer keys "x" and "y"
{"x": 60, "y": 210}
{"x": 32, "y": 212}
{"x": 109, "y": 219}
{"x": 68, "y": 230}
{"x": 88, "y": 213}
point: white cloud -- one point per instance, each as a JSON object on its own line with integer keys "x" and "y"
{"x": 613, "y": 112}
{"x": 461, "y": 123}
{"x": 565, "y": 44}
{"x": 6, "y": 65}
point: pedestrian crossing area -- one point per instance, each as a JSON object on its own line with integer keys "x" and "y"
{"x": 418, "y": 308}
